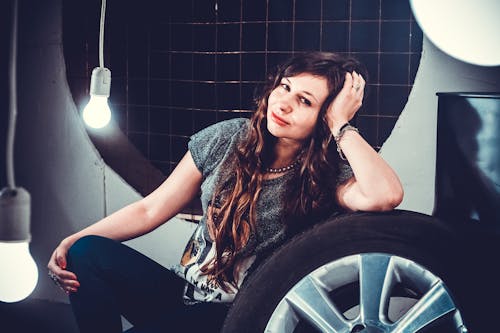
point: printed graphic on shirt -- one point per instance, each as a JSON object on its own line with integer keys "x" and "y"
{"x": 200, "y": 251}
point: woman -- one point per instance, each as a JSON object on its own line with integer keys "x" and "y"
{"x": 297, "y": 160}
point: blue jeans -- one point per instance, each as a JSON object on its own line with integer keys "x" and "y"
{"x": 116, "y": 280}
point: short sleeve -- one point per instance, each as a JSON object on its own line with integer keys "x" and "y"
{"x": 345, "y": 173}
{"x": 209, "y": 146}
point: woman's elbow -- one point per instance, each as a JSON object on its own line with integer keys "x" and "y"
{"x": 378, "y": 200}
{"x": 384, "y": 200}
{"x": 391, "y": 199}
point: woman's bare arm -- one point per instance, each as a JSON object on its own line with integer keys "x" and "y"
{"x": 135, "y": 219}
{"x": 375, "y": 186}
{"x": 153, "y": 210}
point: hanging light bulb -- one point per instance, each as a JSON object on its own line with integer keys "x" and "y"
{"x": 19, "y": 272}
{"x": 97, "y": 113}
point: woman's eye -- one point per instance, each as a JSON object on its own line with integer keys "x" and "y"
{"x": 285, "y": 86}
{"x": 305, "y": 101}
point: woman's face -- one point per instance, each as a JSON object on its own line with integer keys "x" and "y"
{"x": 294, "y": 105}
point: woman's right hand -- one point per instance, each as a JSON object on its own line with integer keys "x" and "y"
{"x": 64, "y": 279}
{"x": 347, "y": 102}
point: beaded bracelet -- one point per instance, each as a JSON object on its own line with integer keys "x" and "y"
{"x": 337, "y": 137}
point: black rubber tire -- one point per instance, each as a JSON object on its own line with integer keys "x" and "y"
{"x": 410, "y": 235}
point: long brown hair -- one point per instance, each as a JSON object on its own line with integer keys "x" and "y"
{"x": 313, "y": 186}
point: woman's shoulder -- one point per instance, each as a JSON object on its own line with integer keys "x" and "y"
{"x": 223, "y": 131}
{"x": 229, "y": 126}
{"x": 210, "y": 145}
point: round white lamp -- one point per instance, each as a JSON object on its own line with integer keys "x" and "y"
{"x": 468, "y": 30}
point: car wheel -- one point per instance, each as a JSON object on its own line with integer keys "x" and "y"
{"x": 361, "y": 272}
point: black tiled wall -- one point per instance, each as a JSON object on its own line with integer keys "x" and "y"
{"x": 179, "y": 66}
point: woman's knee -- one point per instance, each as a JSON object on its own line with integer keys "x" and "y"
{"x": 86, "y": 248}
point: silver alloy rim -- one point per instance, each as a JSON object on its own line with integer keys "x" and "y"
{"x": 378, "y": 308}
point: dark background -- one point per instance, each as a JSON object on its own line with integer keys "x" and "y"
{"x": 5, "y": 29}
{"x": 179, "y": 66}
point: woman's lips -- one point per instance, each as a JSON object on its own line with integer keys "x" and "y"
{"x": 278, "y": 120}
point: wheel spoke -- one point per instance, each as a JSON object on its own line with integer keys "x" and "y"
{"x": 375, "y": 280}
{"x": 313, "y": 304}
{"x": 434, "y": 304}
{"x": 284, "y": 319}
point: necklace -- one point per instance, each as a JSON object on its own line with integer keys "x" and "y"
{"x": 283, "y": 169}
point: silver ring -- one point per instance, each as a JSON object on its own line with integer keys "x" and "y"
{"x": 356, "y": 87}
{"x": 54, "y": 278}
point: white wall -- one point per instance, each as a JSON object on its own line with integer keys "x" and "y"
{"x": 411, "y": 147}
{"x": 71, "y": 187}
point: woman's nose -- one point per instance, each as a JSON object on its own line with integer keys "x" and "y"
{"x": 285, "y": 104}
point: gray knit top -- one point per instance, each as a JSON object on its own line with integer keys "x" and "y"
{"x": 210, "y": 149}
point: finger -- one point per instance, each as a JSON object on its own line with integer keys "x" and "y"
{"x": 61, "y": 273}
{"x": 64, "y": 284}
{"x": 70, "y": 290}
{"x": 61, "y": 260}
{"x": 358, "y": 83}
{"x": 51, "y": 264}
{"x": 66, "y": 275}
{"x": 348, "y": 81}
{"x": 355, "y": 81}
{"x": 70, "y": 283}
{"x": 362, "y": 82}
{"x": 355, "y": 76}
{"x": 361, "y": 79}
{"x": 52, "y": 258}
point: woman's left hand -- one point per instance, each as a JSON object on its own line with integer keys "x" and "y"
{"x": 347, "y": 102}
